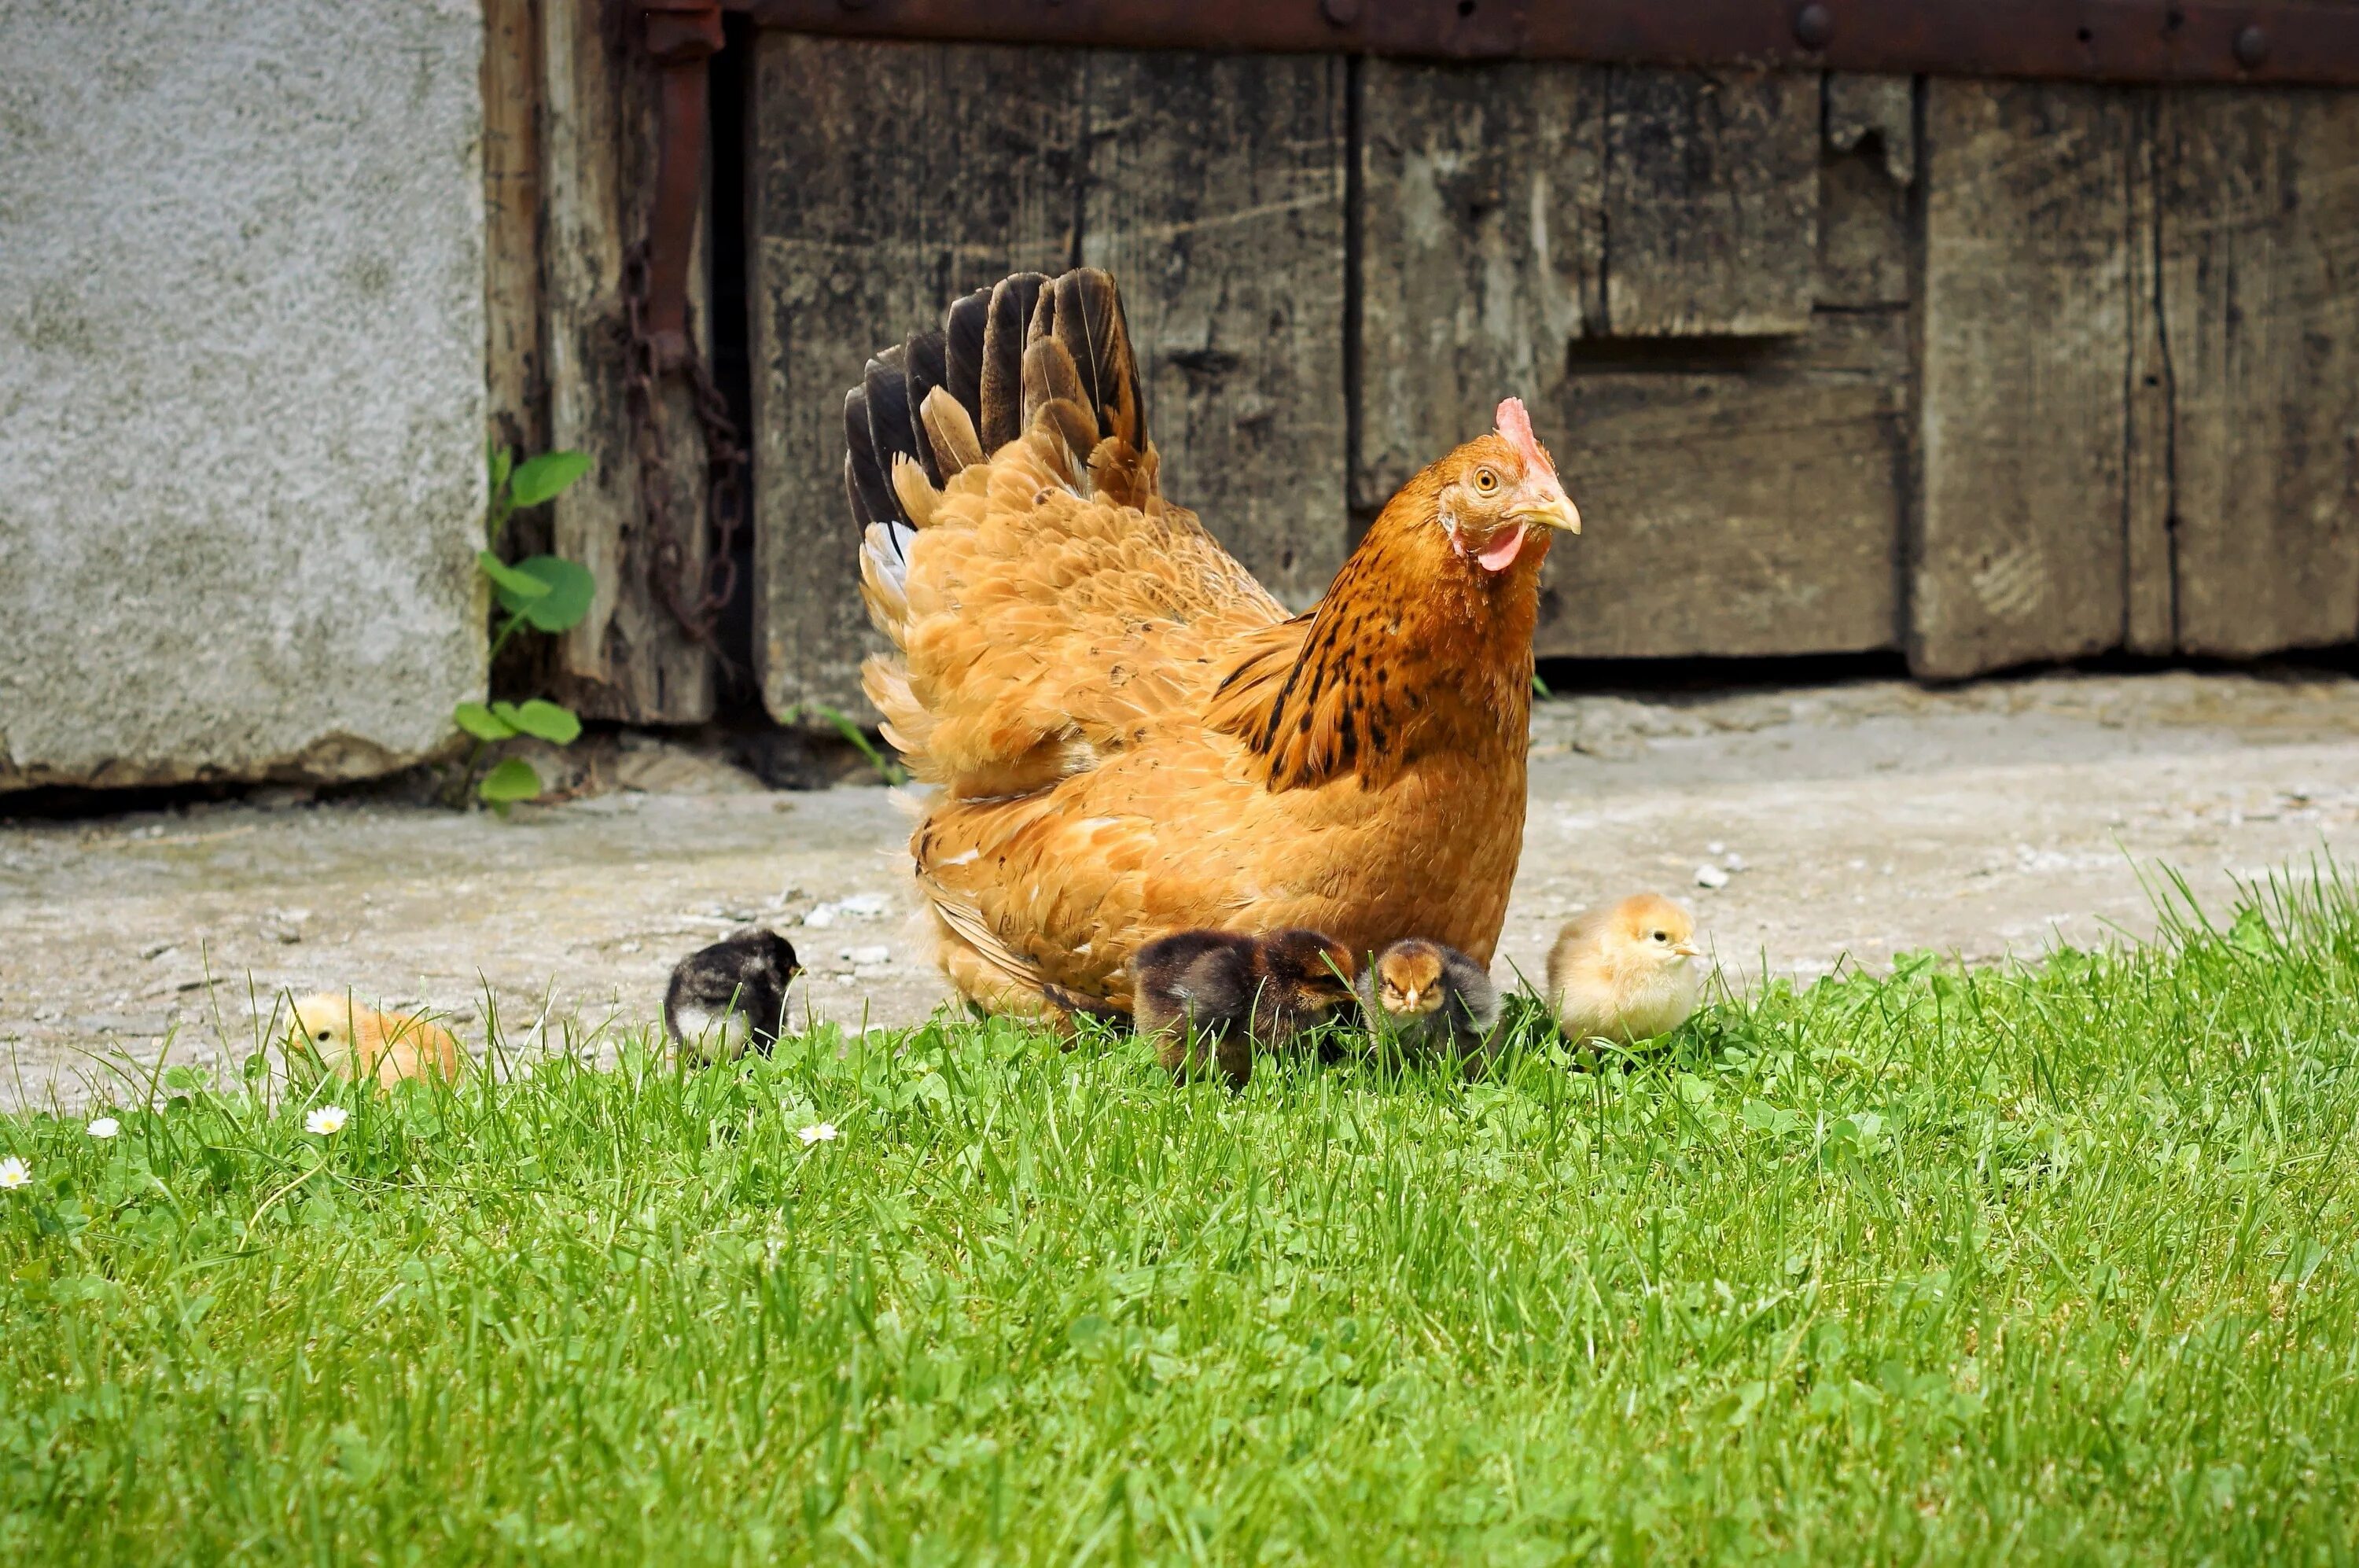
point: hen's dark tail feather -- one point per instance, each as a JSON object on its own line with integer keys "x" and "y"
{"x": 980, "y": 358}
{"x": 1083, "y": 312}
{"x": 1000, "y": 418}
{"x": 1079, "y": 1006}
{"x": 963, "y": 328}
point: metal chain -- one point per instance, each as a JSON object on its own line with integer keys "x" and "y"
{"x": 694, "y": 599}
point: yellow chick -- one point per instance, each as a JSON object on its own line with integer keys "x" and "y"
{"x": 1626, "y": 974}
{"x": 353, "y": 1041}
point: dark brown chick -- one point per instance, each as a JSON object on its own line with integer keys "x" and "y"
{"x": 1216, "y": 995}
{"x": 1432, "y": 1000}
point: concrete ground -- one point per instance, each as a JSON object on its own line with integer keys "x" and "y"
{"x": 1809, "y": 826}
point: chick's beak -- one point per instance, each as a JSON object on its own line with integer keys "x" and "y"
{"x": 1688, "y": 950}
{"x": 1550, "y": 511}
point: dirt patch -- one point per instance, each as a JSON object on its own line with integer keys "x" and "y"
{"x": 1844, "y": 822}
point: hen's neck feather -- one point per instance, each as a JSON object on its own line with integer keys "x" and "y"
{"x": 1415, "y": 650}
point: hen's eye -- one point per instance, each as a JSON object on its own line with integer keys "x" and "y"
{"x": 1486, "y": 481}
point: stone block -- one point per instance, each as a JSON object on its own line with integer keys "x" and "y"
{"x": 242, "y": 387}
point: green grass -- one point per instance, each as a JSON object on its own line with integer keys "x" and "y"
{"x": 2034, "y": 1266}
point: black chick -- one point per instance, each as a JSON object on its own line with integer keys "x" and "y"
{"x": 1432, "y": 999}
{"x": 729, "y": 996}
{"x": 1220, "y": 994}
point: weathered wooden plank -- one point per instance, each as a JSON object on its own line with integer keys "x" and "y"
{"x": 1874, "y": 116}
{"x": 1766, "y": 469}
{"x": 629, "y": 658}
{"x": 1215, "y": 197}
{"x": 2150, "y": 612}
{"x": 1866, "y": 164}
{"x": 2019, "y": 553}
{"x": 1482, "y": 234}
{"x": 1741, "y": 502}
{"x": 511, "y": 79}
{"x": 1711, "y": 202}
{"x": 517, "y": 414}
{"x": 886, "y": 179}
{"x": 2260, "y": 280}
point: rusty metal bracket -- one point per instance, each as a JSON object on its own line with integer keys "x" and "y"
{"x": 681, "y": 36}
{"x": 2088, "y": 40}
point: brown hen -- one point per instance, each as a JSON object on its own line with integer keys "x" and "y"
{"x": 1129, "y": 736}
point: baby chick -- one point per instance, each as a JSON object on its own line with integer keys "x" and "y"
{"x": 1432, "y": 998}
{"x": 1626, "y": 973}
{"x": 353, "y": 1041}
{"x": 1220, "y": 994}
{"x": 729, "y": 995}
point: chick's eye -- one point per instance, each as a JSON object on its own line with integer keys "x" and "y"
{"x": 1486, "y": 481}
{"x": 1662, "y": 936}
{"x": 324, "y": 1034}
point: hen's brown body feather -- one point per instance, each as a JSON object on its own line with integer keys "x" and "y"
{"x": 1131, "y": 738}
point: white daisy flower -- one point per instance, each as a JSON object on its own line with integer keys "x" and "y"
{"x": 327, "y": 1121}
{"x": 16, "y": 1173}
{"x": 819, "y": 1132}
{"x": 105, "y": 1127}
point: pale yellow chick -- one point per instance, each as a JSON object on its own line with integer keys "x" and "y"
{"x": 1626, "y": 974}
{"x": 351, "y": 1041}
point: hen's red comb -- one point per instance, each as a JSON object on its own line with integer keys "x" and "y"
{"x": 1516, "y": 429}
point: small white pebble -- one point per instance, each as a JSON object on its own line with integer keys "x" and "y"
{"x": 1711, "y": 876}
{"x": 1714, "y": 847}
{"x": 869, "y": 954}
{"x": 1732, "y": 860}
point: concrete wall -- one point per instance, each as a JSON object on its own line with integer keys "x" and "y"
{"x": 240, "y": 386}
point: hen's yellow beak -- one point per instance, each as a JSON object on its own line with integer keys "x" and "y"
{"x": 1553, "y": 512}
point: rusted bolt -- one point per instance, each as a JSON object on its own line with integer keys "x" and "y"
{"x": 1813, "y": 25}
{"x": 2252, "y": 46}
{"x": 1340, "y": 13}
